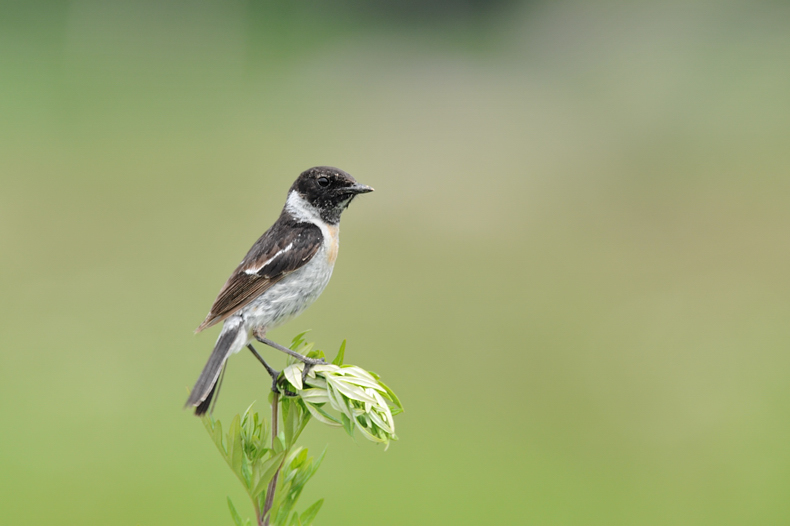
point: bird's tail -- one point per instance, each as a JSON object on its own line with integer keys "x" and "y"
{"x": 230, "y": 340}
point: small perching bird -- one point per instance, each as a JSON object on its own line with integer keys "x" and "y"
{"x": 283, "y": 273}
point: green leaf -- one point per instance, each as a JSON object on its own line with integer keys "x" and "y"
{"x": 303, "y": 420}
{"x": 215, "y": 430}
{"x": 315, "y": 396}
{"x": 347, "y": 424}
{"x": 309, "y": 514}
{"x": 340, "y": 354}
{"x": 376, "y": 418}
{"x": 295, "y": 520}
{"x": 337, "y": 401}
{"x": 317, "y": 354}
{"x": 370, "y": 436}
{"x": 299, "y": 459}
{"x": 363, "y": 382}
{"x": 293, "y": 373}
{"x": 317, "y": 463}
{"x": 278, "y": 444}
{"x": 288, "y": 422}
{"x": 392, "y": 396}
{"x": 247, "y": 414}
{"x": 234, "y": 513}
{"x": 235, "y": 448}
{"x": 319, "y": 382}
{"x": 280, "y": 511}
{"x": 325, "y": 368}
{"x": 298, "y": 340}
{"x": 208, "y": 423}
{"x": 353, "y": 370}
{"x": 269, "y": 468}
{"x": 352, "y": 391}
{"x": 306, "y": 349}
{"x": 323, "y": 417}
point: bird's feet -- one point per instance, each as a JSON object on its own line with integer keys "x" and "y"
{"x": 283, "y": 391}
{"x": 309, "y": 363}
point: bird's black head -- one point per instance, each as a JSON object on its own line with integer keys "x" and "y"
{"x": 328, "y": 190}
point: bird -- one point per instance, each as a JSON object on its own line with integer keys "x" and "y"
{"x": 283, "y": 273}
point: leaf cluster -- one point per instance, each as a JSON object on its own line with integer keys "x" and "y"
{"x": 358, "y": 398}
{"x": 334, "y": 393}
{"x": 247, "y": 450}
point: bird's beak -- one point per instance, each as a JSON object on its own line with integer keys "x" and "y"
{"x": 357, "y": 188}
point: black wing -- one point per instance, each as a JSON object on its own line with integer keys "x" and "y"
{"x": 285, "y": 247}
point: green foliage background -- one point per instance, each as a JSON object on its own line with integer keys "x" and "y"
{"x": 574, "y": 270}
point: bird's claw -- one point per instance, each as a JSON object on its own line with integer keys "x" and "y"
{"x": 276, "y": 388}
{"x": 309, "y": 365}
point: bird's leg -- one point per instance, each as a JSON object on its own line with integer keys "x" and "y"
{"x": 302, "y": 358}
{"x": 272, "y": 372}
{"x": 275, "y": 374}
{"x": 308, "y": 362}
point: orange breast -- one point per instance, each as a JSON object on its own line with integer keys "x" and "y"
{"x": 334, "y": 243}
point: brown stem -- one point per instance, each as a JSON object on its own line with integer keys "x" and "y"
{"x": 273, "y": 483}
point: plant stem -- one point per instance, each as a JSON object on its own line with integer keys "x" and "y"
{"x": 273, "y": 484}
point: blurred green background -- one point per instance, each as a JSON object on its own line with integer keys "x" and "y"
{"x": 574, "y": 270}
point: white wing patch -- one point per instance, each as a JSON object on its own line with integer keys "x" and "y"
{"x": 254, "y": 270}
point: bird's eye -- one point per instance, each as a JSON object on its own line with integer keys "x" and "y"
{"x": 323, "y": 181}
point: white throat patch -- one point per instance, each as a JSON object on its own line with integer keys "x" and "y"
{"x": 301, "y": 210}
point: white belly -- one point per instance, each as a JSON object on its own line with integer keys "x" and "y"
{"x": 290, "y": 296}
